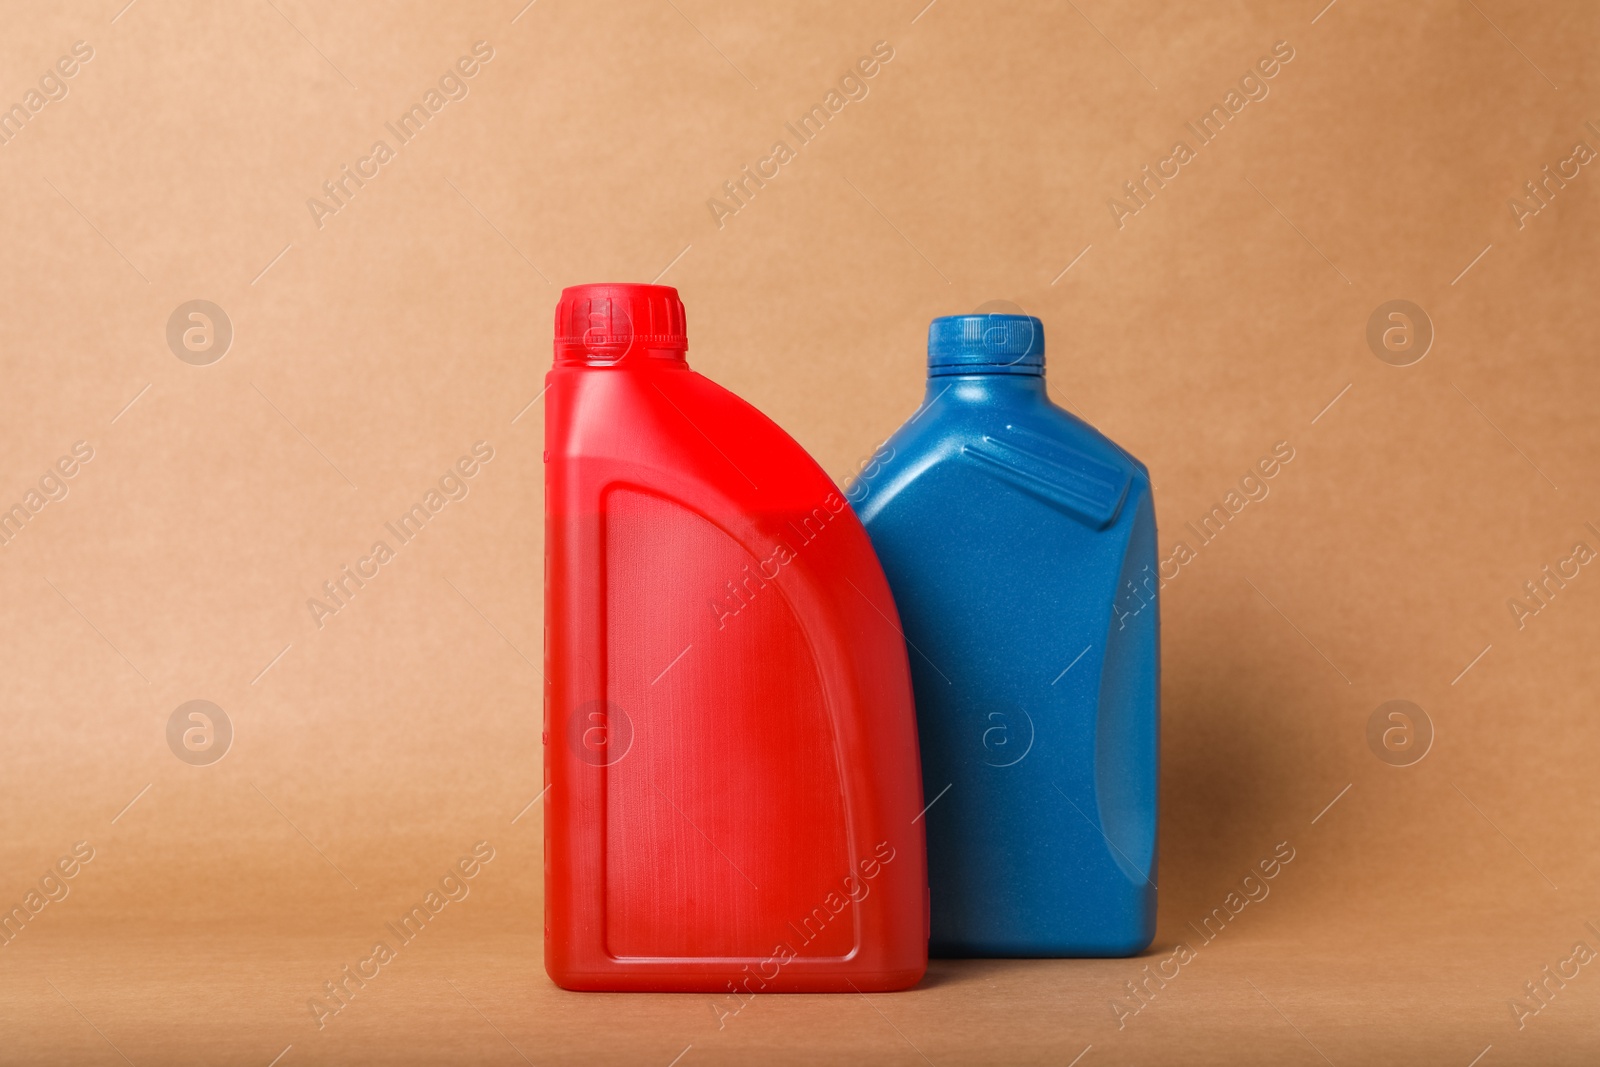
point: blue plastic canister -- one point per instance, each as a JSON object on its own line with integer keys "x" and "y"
{"x": 1020, "y": 544}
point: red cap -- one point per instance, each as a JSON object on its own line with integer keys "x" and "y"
{"x": 606, "y": 322}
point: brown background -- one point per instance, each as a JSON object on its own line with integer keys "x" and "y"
{"x": 1222, "y": 318}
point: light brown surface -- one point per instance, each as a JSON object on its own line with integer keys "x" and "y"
{"x": 1220, "y": 319}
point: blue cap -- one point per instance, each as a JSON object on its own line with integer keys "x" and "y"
{"x": 985, "y": 344}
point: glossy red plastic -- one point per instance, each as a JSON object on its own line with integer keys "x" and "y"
{"x": 730, "y": 741}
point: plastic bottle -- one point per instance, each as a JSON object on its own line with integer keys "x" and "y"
{"x": 1020, "y": 545}
{"x": 730, "y": 743}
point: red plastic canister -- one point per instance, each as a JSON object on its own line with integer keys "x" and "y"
{"x": 731, "y": 749}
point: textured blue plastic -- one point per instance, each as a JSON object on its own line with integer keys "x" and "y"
{"x": 994, "y": 344}
{"x": 1021, "y": 547}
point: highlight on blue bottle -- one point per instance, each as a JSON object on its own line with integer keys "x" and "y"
{"x": 1020, "y": 544}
